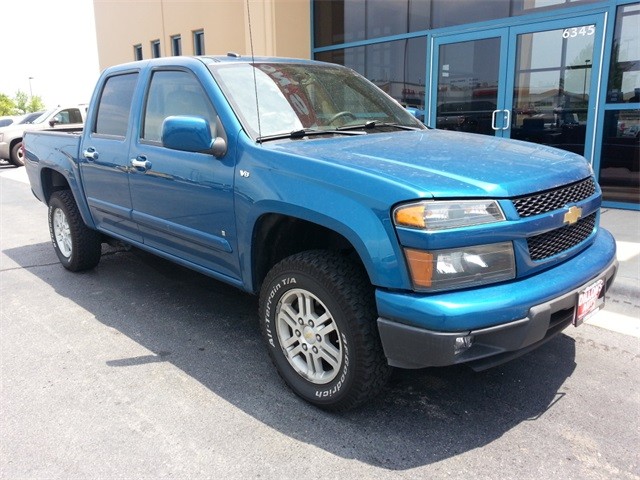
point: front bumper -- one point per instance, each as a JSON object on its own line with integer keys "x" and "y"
{"x": 506, "y": 320}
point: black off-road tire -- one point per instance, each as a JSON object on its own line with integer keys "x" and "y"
{"x": 78, "y": 247}
{"x": 343, "y": 299}
{"x": 16, "y": 156}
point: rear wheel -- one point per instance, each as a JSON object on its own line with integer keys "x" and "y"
{"x": 77, "y": 246}
{"x": 17, "y": 155}
{"x": 318, "y": 316}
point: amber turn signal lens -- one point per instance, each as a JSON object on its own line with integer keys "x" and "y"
{"x": 411, "y": 216}
{"x": 421, "y": 267}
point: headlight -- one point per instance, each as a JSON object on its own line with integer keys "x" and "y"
{"x": 461, "y": 267}
{"x": 440, "y": 215}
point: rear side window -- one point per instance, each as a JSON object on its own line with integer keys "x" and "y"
{"x": 115, "y": 105}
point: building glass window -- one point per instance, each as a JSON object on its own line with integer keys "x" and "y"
{"x": 198, "y": 42}
{"x": 155, "y": 49}
{"x": 137, "y": 52}
{"x": 620, "y": 157}
{"x": 176, "y": 45}
{"x": 343, "y": 21}
{"x": 624, "y": 74}
{"x": 398, "y": 68}
{"x": 447, "y": 13}
{"x": 526, "y": 6}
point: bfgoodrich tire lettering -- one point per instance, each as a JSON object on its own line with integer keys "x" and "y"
{"x": 77, "y": 246}
{"x": 318, "y": 317}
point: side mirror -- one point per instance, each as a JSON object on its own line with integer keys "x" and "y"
{"x": 192, "y": 134}
{"x": 53, "y": 122}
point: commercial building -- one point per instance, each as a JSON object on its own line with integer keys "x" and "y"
{"x": 559, "y": 72}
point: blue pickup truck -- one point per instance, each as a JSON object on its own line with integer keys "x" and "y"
{"x": 372, "y": 241}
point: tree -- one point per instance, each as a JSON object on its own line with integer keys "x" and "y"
{"x": 7, "y": 105}
{"x": 35, "y": 104}
{"x": 24, "y": 104}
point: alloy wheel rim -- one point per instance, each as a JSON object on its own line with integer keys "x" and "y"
{"x": 62, "y": 232}
{"x": 309, "y": 336}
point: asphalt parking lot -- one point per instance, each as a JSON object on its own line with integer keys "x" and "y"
{"x": 142, "y": 369}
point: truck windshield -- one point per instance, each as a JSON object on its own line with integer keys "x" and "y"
{"x": 295, "y": 98}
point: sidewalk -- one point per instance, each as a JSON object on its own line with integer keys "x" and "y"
{"x": 622, "y": 307}
{"x": 625, "y": 227}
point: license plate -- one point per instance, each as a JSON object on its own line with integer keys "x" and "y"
{"x": 590, "y": 300}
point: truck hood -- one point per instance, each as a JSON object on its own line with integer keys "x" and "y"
{"x": 445, "y": 164}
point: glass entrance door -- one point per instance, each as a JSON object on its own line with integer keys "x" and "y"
{"x": 470, "y": 91}
{"x": 536, "y": 82}
{"x": 554, "y": 83}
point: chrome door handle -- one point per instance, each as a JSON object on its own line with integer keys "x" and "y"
{"x": 493, "y": 119}
{"x": 141, "y": 163}
{"x": 90, "y": 154}
{"x": 507, "y": 120}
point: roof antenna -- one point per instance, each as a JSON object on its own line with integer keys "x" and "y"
{"x": 255, "y": 82}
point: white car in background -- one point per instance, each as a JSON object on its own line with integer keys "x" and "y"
{"x": 59, "y": 118}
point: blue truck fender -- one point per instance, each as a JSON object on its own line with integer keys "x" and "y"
{"x": 61, "y": 161}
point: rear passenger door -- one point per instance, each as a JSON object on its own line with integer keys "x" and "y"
{"x": 104, "y": 159}
{"x": 182, "y": 201}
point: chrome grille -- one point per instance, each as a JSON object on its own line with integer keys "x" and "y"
{"x": 543, "y": 202}
{"x": 557, "y": 241}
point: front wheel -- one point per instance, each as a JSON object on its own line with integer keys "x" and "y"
{"x": 16, "y": 156}
{"x": 77, "y": 246}
{"x": 318, "y": 316}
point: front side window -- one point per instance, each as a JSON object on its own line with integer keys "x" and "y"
{"x": 292, "y": 97}
{"x": 70, "y": 115}
{"x": 115, "y": 104}
{"x": 174, "y": 93}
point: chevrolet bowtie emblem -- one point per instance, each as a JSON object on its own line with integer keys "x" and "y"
{"x": 573, "y": 215}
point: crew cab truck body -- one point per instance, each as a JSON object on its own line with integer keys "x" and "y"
{"x": 371, "y": 240}
{"x": 62, "y": 118}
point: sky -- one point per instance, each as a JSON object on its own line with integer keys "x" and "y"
{"x": 54, "y": 42}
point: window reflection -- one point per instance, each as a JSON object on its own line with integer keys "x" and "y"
{"x": 447, "y": 13}
{"x": 343, "y": 21}
{"x": 398, "y": 68}
{"x": 620, "y": 159}
{"x": 525, "y": 6}
{"x": 624, "y": 76}
{"x": 468, "y": 86}
{"x": 551, "y": 96}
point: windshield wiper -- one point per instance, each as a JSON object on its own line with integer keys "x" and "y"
{"x": 371, "y": 124}
{"x": 306, "y": 132}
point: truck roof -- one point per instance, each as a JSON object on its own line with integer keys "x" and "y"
{"x": 212, "y": 60}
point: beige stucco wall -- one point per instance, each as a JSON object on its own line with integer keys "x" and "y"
{"x": 278, "y": 27}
